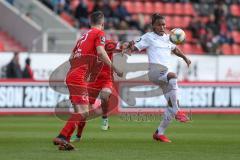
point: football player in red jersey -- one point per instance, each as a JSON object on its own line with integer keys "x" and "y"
{"x": 83, "y": 58}
{"x": 102, "y": 86}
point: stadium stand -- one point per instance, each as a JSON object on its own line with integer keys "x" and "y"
{"x": 210, "y": 25}
{"x": 235, "y": 10}
{"x": 179, "y": 13}
{"x": 8, "y": 43}
{"x": 17, "y": 30}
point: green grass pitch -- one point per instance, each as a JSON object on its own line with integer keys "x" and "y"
{"x": 207, "y": 137}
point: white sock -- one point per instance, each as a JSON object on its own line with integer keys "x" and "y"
{"x": 173, "y": 98}
{"x": 167, "y": 118}
{"x": 105, "y": 120}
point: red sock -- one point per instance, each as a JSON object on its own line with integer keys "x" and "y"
{"x": 70, "y": 126}
{"x": 81, "y": 126}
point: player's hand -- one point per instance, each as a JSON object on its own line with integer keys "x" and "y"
{"x": 127, "y": 47}
{"x": 126, "y": 51}
{"x": 188, "y": 61}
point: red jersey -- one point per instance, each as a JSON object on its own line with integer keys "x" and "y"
{"x": 102, "y": 76}
{"x": 86, "y": 46}
{"x": 104, "y": 72}
{"x": 82, "y": 62}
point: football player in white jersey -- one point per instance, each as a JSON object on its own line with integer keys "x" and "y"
{"x": 159, "y": 49}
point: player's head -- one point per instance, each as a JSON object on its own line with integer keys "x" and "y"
{"x": 28, "y": 61}
{"x": 158, "y": 23}
{"x": 15, "y": 57}
{"x": 97, "y": 19}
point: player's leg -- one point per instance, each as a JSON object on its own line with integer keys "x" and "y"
{"x": 159, "y": 77}
{"x": 104, "y": 96}
{"x": 79, "y": 99}
{"x": 93, "y": 92}
{"x": 79, "y": 125}
{"x": 79, "y": 115}
{"x": 166, "y": 120}
{"x": 172, "y": 98}
{"x": 171, "y": 93}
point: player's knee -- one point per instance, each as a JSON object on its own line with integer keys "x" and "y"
{"x": 82, "y": 110}
{"x": 173, "y": 83}
{"x": 105, "y": 96}
{"x": 104, "y": 102}
{"x": 171, "y": 75}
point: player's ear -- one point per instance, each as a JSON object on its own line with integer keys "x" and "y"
{"x": 102, "y": 25}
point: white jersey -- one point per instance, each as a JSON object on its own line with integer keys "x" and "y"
{"x": 158, "y": 48}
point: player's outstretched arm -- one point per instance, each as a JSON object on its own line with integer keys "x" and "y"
{"x": 129, "y": 47}
{"x": 179, "y": 53}
{"x": 120, "y": 46}
{"x": 104, "y": 57}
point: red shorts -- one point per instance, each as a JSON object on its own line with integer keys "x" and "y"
{"x": 77, "y": 86}
{"x": 94, "y": 89}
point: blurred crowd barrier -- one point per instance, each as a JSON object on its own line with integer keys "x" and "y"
{"x": 135, "y": 67}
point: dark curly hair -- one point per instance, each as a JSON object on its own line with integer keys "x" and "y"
{"x": 156, "y": 16}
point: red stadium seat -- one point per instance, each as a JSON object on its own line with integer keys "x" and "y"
{"x": 168, "y": 8}
{"x": 129, "y": 6}
{"x": 148, "y": 8}
{"x": 204, "y": 19}
{"x": 178, "y": 9}
{"x": 147, "y": 19}
{"x": 236, "y": 49}
{"x": 158, "y": 7}
{"x": 169, "y": 22}
{"x": 90, "y": 5}
{"x": 74, "y": 4}
{"x": 197, "y": 49}
{"x": 188, "y": 9}
{"x": 181, "y": 22}
{"x": 138, "y": 7}
{"x": 187, "y": 48}
{"x": 70, "y": 20}
{"x": 1, "y": 47}
{"x": 186, "y": 21}
{"x": 188, "y": 36}
{"x": 181, "y": 47}
{"x": 226, "y": 49}
{"x": 177, "y": 22}
{"x": 235, "y": 9}
{"x": 8, "y": 43}
{"x": 236, "y": 35}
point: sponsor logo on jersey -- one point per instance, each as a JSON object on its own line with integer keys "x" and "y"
{"x": 103, "y": 40}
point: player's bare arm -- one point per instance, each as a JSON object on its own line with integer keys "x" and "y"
{"x": 179, "y": 53}
{"x": 129, "y": 47}
{"x": 104, "y": 57}
{"x": 121, "y": 46}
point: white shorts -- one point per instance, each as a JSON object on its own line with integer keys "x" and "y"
{"x": 159, "y": 77}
